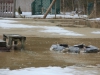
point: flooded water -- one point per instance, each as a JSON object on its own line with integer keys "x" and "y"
{"x": 37, "y": 54}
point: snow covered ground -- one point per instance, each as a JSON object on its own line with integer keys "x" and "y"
{"x": 66, "y": 15}
{"x": 71, "y": 70}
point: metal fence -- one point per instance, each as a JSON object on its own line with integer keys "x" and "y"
{"x": 40, "y": 7}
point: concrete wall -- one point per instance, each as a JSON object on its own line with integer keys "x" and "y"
{"x": 25, "y": 5}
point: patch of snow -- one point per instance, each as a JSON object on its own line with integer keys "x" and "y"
{"x": 66, "y": 15}
{"x": 11, "y": 18}
{"x": 71, "y": 70}
{"x": 7, "y": 21}
{"x": 60, "y": 31}
{"x": 7, "y": 24}
{"x": 96, "y": 32}
{"x": 97, "y": 19}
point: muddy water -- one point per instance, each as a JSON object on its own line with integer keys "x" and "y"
{"x": 37, "y": 54}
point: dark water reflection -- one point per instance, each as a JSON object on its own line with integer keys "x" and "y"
{"x": 37, "y": 54}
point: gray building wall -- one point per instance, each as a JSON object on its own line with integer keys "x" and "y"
{"x": 25, "y": 5}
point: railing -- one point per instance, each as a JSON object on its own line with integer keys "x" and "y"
{"x": 7, "y": 9}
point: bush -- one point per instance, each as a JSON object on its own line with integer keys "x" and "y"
{"x": 19, "y": 10}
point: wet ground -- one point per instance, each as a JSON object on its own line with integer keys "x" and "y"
{"x": 37, "y": 54}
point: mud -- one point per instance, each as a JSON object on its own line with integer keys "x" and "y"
{"x": 37, "y": 54}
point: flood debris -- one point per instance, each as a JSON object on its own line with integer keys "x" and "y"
{"x": 59, "y": 47}
{"x": 75, "y": 48}
{"x": 91, "y": 49}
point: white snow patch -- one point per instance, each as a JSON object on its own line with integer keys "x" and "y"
{"x": 49, "y": 71}
{"x": 67, "y": 15}
{"x": 7, "y": 21}
{"x": 7, "y": 24}
{"x": 96, "y": 32}
{"x": 60, "y": 31}
{"x": 97, "y": 19}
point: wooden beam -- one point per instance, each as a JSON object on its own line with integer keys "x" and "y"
{"x": 48, "y": 10}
